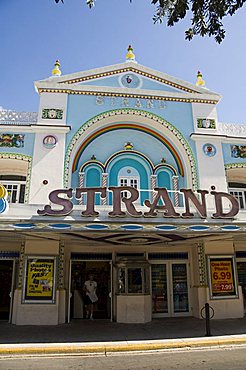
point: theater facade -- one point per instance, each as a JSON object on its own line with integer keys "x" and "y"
{"x": 125, "y": 173}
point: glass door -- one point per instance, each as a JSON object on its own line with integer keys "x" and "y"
{"x": 170, "y": 289}
{"x": 6, "y": 287}
{"x": 159, "y": 290}
{"x": 241, "y": 271}
{"x": 180, "y": 288}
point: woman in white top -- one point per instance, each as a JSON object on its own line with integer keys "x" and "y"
{"x": 90, "y": 287}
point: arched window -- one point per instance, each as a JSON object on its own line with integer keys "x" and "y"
{"x": 15, "y": 186}
{"x": 238, "y": 190}
{"x": 128, "y": 176}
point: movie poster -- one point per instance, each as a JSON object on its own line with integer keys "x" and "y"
{"x": 40, "y": 279}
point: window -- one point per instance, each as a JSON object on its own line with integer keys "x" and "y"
{"x": 15, "y": 186}
{"x": 133, "y": 278}
{"x": 238, "y": 190}
{"x": 128, "y": 181}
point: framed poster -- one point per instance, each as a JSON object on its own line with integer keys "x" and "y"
{"x": 222, "y": 277}
{"x": 39, "y": 283}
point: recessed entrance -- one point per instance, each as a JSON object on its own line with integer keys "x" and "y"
{"x": 170, "y": 289}
{"x": 6, "y": 278}
{"x": 80, "y": 271}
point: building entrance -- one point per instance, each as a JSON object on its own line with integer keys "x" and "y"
{"x": 170, "y": 289}
{"x": 80, "y": 271}
{"x": 6, "y": 281}
{"x": 241, "y": 270}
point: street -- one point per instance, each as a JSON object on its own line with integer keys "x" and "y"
{"x": 233, "y": 358}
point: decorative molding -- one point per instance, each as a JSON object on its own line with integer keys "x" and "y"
{"x": 238, "y": 151}
{"x": 29, "y": 169}
{"x": 81, "y": 185}
{"x": 130, "y": 69}
{"x": 232, "y": 129}
{"x": 8, "y": 140}
{"x": 77, "y": 136}
{"x": 206, "y": 123}
{"x": 21, "y": 266}
{"x": 104, "y": 184}
{"x": 202, "y": 265}
{"x": 127, "y": 95}
{"x": 13, "y": 117}
{"x": 61, "y": 260}
{"x": 166, "y": 165}
{"x": 175, "y": 180}
{"x": 51, "y": 113}
{"x": 229, "y": 166}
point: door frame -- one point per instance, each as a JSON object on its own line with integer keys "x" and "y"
{"x": 170, "y": 303}
{"x": 11, "y": 293}
{"x": 240, "y": 259}
{"x": 70, "y": 280}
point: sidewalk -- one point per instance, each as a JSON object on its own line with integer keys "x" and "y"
{"x": 85, "y": 336}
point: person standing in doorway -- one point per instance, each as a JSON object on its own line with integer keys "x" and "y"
{"x": 90, "y": 287}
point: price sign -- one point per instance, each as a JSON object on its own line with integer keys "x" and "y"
{"x": 222, "y": 276}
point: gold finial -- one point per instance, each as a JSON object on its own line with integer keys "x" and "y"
{"x": 128, "y": 146}
{"x": 56, "y": 71}
{"x": 130, "y": 56}
{"x": 200, "y": 81}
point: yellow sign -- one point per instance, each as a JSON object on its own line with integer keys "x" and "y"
{"x": 222, "y": 276}
{"x": 40, "y": 279}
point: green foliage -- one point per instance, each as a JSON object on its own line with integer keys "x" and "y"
{"x": 206, "y": 16}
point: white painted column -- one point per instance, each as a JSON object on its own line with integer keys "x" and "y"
{"x": 153, "y": 179}
{"x": 104, "y": 184}
{"x": 176, "y": 188}
{"x": 81, "y": 185}
{"x": 48, "y": 164}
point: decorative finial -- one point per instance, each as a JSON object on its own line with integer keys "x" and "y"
{"x": 56, "y": 71}
{"x": 128, "y": 146}
{"x": 163, "y": 160}
{"x": 200, "y": 81}
{"x": 130, "y": 56}
{"x": 93, "y": 157}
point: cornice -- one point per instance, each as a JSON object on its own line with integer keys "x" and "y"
{"x": 44, "y": 87}
{"x": 112, "y": 70}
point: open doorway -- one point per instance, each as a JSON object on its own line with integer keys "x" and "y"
{"x": 6, "y": 278}
{"x": 80, "y": 271}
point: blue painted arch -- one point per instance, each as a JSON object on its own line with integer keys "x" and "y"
{"x": 139, "y": 164}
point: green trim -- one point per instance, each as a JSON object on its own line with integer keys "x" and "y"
{"x": 137, "y": 112}
{"x": 234, "y": 165}
{"x": 23, "y": 157}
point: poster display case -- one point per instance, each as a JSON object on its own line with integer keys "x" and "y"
{"x": 39, "y": 280}
{"x": 222, "y": 277}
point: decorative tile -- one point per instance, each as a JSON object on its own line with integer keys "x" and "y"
{"x": 209, "y": 150}
{"x": 12, "y": 140}
{"x": 238, "y": 151}
{"x": 52, "y": 113}
{"x": 206, "y": 123}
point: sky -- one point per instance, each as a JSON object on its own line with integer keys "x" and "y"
{"x": 34, "y": 33}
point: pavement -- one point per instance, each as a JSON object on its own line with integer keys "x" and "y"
{"x": 102, "y": 336}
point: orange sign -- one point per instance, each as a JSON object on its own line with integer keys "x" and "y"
{"x": 222, "y": 276}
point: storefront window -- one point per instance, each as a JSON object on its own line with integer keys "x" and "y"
{"x": 133, "y": 279}
{"x": 121, "y": 281}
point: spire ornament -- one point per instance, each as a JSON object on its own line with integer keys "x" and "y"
{"x": 200, "y": 81}
{"x": 130, "y": 56}
{"x": 56, "y": 72}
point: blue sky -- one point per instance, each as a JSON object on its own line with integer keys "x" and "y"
{"x": 34, "y": 33}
